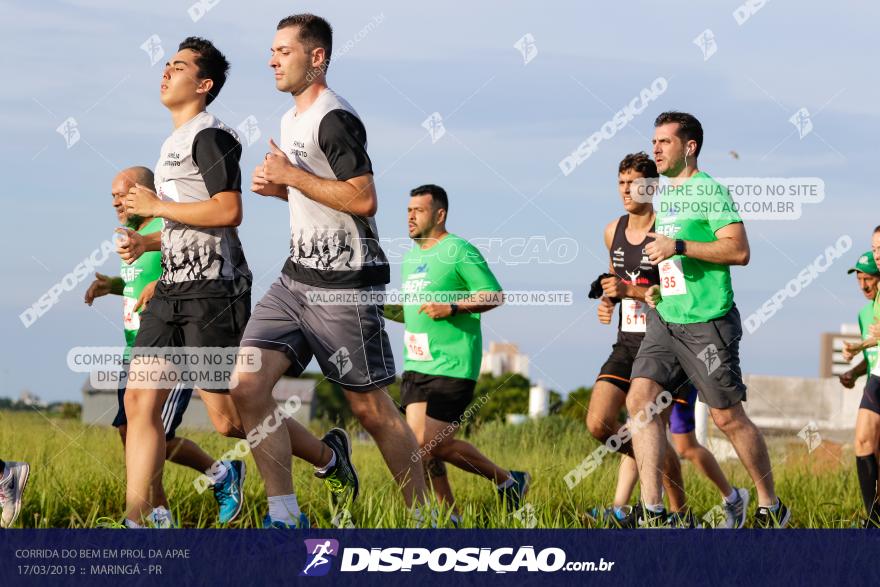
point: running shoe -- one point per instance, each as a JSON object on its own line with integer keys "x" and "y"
{"x": 301, "y": 524}
{"x": 516, "y": 492}
{"x": 767, "y": 518}
{"x": 342, "y": 478}
{"x": 229, "y": 493}
{"x": 735, "y": 513}
{"x": 12, "y": 490}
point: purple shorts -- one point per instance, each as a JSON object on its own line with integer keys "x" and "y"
{"x": 681, "y": 419}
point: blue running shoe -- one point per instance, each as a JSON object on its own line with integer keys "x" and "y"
{"x": 302, "y": 523}
{"x": 514, "y": 494}
{"x": 229, "y": 492}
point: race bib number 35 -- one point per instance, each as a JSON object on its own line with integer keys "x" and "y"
{"x": 417, "y": 348}
{"x": 672, "y": 278}
{"x": 632, "y": 315}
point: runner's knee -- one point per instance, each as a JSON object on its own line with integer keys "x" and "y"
{"x": 600, "y": 427}
{"x": 865, "y": 443}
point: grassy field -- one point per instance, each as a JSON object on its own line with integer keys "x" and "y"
{"x": 77, "y": 478}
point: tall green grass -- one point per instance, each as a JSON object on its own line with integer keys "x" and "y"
{"x": 78, "y": 477}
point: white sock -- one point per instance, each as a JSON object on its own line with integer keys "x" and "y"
{"x": 505, "y": 484}
{"x": 775, "y": 507}
{"x": 129, "y": 524}
{"x": 656, "y": 508}
{"x": 732, "y": 498}
{"x": 218, "y": 473}
{"x": 326, "y": 468}
{"x": 284, "y": 508}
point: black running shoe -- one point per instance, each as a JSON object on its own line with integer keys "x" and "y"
{"x": 766, "y": 518}
{"x": 685, "y": 520}
{"x": 640, "y": 517}
{"x": 342, "y": 479}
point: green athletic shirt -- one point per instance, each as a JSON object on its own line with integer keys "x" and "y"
{"x": 866, "y": 318}
{"x": 136, "y": 276}
{"x": 694, "y": 290}
{"x": 452, "y": 346}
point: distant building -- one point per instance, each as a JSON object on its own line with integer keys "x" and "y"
{"x": 504, "y": 357}
{"x": 100, "y": 405}
{"x": 31, "y": 399}
{"x": 831, "y": 361}
{"x": 539, "y": 401}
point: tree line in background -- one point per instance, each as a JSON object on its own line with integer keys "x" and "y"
{"x": 507, "y": 394}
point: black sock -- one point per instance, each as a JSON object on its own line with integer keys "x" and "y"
{"x": 2, "y": 468}
{"x": 867, "y": 469}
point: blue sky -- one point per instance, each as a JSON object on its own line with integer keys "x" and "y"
{"x": 508, "y": 125}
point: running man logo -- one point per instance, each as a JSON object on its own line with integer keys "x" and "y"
{"x": 709, "y": 356}
{"x": 706, "y": 42}
{"x": 526, "y": 516}
{"x": 802, "y": 122}
{"x": 434, "y": 125}
{"x": 810, "y": 435}
{"x": 249, "y": 130}
{"x": 526, "y": 46}
{"x": 69, "y": 129}
{"x": 342, "y": 360}
{"x": 318, "y": 551}
{"x": 153, "y": 48}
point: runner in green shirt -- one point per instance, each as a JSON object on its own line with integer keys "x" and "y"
{"x": 447, "y": 285}
{"x": 135, "y": 284}
{"x": 694, "y": 326}
{"x": 867, "y": 435}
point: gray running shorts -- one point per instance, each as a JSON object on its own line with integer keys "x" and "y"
{"x": 707, "y": 352}
{"x": 349, "y": 341}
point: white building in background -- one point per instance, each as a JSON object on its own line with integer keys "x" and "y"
{"x": 100, "y": 405}
{"x": 539, "y": 401}
{"x": 504, "y": 357}
{"x": 31, "y": 399}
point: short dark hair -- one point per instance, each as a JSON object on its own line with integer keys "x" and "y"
{"x": 438, "y": 195}
{"x": 212, "y": 64}
{"x": 314, "y": 32}
{"x": 876, "y": 230}
{"x": 689, "y": 128}
{"x": 640, "y": 163}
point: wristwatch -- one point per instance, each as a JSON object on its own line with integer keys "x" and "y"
{"x": 679, "y": 247}
{"x": 454, "y": 308}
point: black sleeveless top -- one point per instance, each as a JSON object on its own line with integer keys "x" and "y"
{"x": 630, "y": 262}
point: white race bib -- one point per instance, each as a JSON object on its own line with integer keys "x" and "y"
{"x": 168, "y": 191}
{"x": 130, "y": 319}
{"x": 417, "y": 347}
{"x": 633, "y": 315}
{"x": 672, "y": 278}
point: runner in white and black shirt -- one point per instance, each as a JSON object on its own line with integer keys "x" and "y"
{"x": 323, "y": 171}
{"x": 203, "y": 296}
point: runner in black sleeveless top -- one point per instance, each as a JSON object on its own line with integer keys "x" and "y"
{"x": 633, "y": 274}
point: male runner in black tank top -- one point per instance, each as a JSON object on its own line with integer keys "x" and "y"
{"x": 633, "y": 274}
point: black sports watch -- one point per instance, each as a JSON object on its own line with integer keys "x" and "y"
{"x": 454, "y": 308}
{"x": 679, "y": 247}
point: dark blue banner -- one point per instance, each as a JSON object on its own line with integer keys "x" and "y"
{"x": 478, "y": 557}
